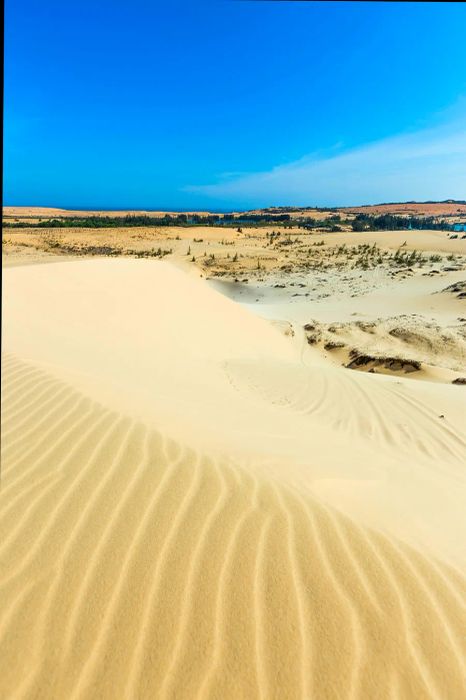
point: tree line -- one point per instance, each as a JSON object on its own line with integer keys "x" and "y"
{"x": 391, "y": 222}
{"x": 131, "y": 220}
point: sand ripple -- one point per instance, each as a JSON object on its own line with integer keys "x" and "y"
{"x": 134, "y": 567}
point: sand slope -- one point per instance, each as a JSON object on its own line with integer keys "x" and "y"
{"x": 138, "y": 563}
{"x": 135, "y": 568}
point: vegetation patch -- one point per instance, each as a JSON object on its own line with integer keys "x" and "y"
{"x": 333, "y": 345}
{"x": 395, "y": 364}
{"x": 458, "y": 289}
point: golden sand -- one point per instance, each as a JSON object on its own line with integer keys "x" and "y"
{"x": 192, "y": 507}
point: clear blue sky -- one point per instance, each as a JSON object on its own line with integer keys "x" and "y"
{"x": 220, "y": 104}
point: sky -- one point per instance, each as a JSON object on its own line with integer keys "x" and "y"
{"x": 232, "y": 104}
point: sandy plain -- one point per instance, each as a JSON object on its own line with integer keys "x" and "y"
{"x": 233, "y": 478}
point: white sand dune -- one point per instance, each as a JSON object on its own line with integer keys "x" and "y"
{"x": 191, "y": 509}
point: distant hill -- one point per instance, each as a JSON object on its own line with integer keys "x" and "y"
{"x": 449, "y": 207}
{"x": 446, "y": 208}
